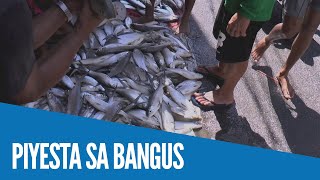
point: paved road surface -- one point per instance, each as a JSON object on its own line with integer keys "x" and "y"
{"x": 265, "y": 119}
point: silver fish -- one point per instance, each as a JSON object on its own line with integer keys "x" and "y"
{"x": 130, "y": 38}
{"x": 185, "y": 73}
{"x": 167, "y": 118}
{"x": 75, "y": 99}
{"x": 58, "y": 92}
{"x": 90, "y": 81}
{"x": 134, "y": 95}
{"x": 168, "y": 56}
{"x": 67, "y": 82}
{"x": 136, "y": 86}
{"x": 106, "y": 80}
{"x": 54, "y": 103}
{"x": 128, "y": 22}
{"x": 155, "y": 101}
{"x": 159, "y": 59}
{"x": 139, "y": 59}
{"x": 151, "y": 64}
{"x": 189, "y": 86}
{"x": 179, "y": 98}
{"x": 90, "y": 88}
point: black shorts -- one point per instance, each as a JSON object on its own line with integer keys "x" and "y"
{"x": 232, "y": 49}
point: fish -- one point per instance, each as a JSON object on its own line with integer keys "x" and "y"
{"x": 100, "y": 35}
{"x": 134, "y": 96}
{"x": 58, "y": 92}
{"x": 121, "y": 65}
{"x": 137, "y": 3}
{"x": 189, "y": 86}
{"x": 90, "y": 88}
{"x": 128, "y": 22}
{"x": 99, "y": 115}
{"x": 106, "y": 80}
{"x": 115, "y": 48}
{"x": 90, "y": 81}
{"x": 168, "y": 56}
{"x": 175, "y": 41}
{"x": 159, "y": 59}
{"x": 146, "y": 27}
{"x": 119, "y": 29}
{"x": 156, "y": 100}
{"x": 54, "y": 103}
{"x": 75, "y": 99}
{"x": 168, "y": 123}
{"x": 151, "y": 64}
{"x": 154, "y": 48}
{"x": 139, "y": 59}
{"x": 138, "y": 119}
{"x": 66, "y": 80}
{"x": 130, "y": 38}
{"x": 185, "y": 73}
{"x": 179, "y": 98}
{"x": 136, "y": 86}
{"x": 108, "y": 28}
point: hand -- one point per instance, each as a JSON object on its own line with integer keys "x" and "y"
{"x": 88, "y": 20}
{"x": 74, "y": 5}
{"x": 238, "y": 25}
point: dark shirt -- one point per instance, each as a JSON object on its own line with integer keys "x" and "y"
{"x": 16, "y": 47}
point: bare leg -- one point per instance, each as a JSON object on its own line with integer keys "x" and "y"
{"x": 286, "y": 30}
{"x": 149, "y": 16}
{"x": 299, "y": 46}
{"x": 184, "y": 26}
{"x": 218, "y": 70}
{"x": 225, "y": 95}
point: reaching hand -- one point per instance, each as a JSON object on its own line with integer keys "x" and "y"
{"x": 87, "y": 19}
{"x": 238, "y": 25}
{"x": 74, "y": 5}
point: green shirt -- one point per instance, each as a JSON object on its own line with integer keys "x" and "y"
{"x": 255, "y": 10}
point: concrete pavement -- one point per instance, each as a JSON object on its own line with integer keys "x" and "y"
{"x": 262, "y": 117}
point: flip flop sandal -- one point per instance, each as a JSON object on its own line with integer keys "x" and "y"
{"x": 211, "y": 107}
{"x": 215, "y": 78}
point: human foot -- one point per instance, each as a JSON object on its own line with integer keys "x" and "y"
{"x": 260, "y": 49}
{"x": 285, "y": 86}
{"x": 218, "y": 101}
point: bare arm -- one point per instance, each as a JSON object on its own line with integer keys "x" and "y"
{"x": 47, "y": 23}
{"x": 48, "y": 71}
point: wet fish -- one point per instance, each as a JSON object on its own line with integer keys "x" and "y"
{"x": 75, "y": 99}
{"x": 189, "y": 86}
{"x": 67, "y": 82}
{"x": 54, "y": 103}
{"x": 185, "y": 73}
{"x": 168, "y": 123}
{"x": 106, "y": 80}
{"x": 139, "y": 59}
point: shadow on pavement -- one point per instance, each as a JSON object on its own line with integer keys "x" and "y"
{"x": 312, "y": 51}
{"x": 300, "y": 124}
{"x": 236, "y": 129}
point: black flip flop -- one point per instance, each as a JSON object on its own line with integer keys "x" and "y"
{"x": 212, "y": 107}
{"x": 215, "y": 78}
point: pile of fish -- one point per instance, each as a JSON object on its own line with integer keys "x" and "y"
{"x": 133, "y": 74}
{"x": 164, "y": 9}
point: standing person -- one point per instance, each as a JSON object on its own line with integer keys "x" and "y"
{"x": 237, "y": 25}
{"x": 303, "y": 17}
{"x": 25, "y": 78}
{"x": 184, "y": 23}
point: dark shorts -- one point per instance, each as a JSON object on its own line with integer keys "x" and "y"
{"x": 232, "y": 49}
{"x": 298, "y": 8}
